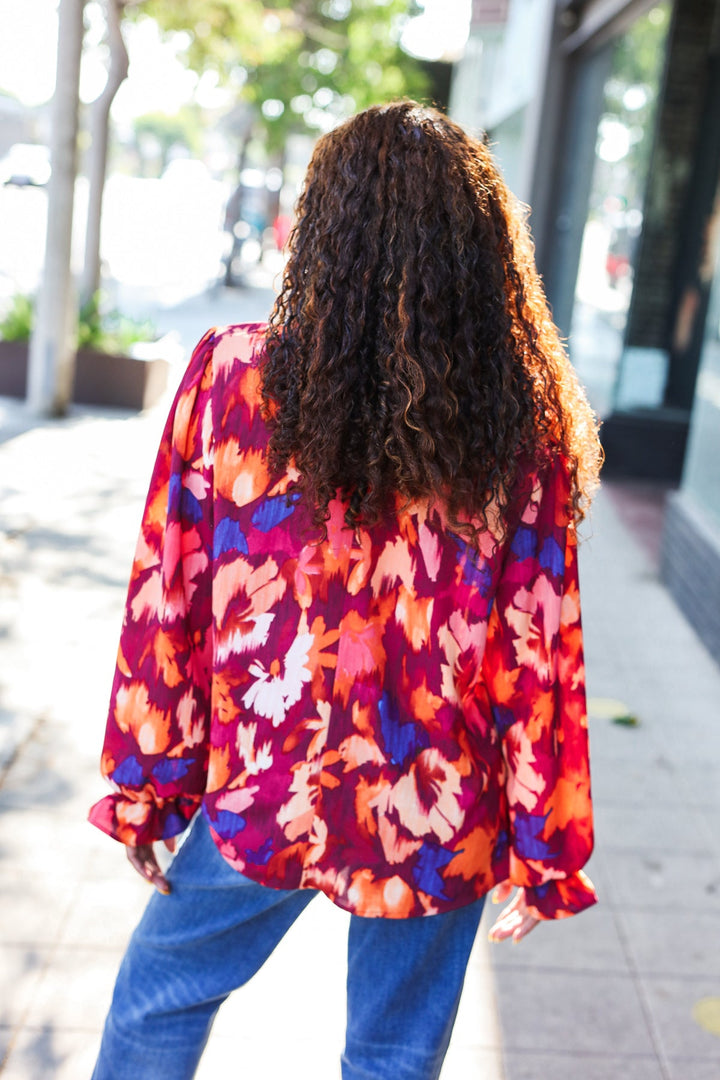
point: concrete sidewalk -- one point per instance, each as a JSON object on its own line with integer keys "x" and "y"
{"x": 631, "y": 989}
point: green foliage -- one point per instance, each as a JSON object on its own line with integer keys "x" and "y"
{"x": 637, "y": 65}
{"x": 110, "y": 331}
{"x": 103, "y": 331}
{"x": 316, "y": 58}
{"x": 183, "y": 128}
{"x": 16, "y": 325}
{"x": 90, "y": 325}
{"x": 639, "y": 53}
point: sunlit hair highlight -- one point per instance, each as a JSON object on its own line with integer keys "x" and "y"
{"x": 410, "y": 352}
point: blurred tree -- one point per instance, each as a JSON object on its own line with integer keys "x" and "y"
{"x": 182, "y": 129}
{"x": 300, "y": 65}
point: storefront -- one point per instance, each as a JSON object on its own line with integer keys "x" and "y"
{"x": 620, "y": 207}
{"x": 691, "y": 541}
{"x": 618, "y": 375}
{"x": 605, "y": 119}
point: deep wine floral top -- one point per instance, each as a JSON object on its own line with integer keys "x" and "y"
{"x": 383, "y": 715}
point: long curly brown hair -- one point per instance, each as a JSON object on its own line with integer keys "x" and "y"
{"x": 410, "y": 351}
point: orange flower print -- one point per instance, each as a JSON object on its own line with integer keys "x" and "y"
{"x": 255, "y": 759}
{"x": 135, "y": 713}
{"x": 525, "y": 784}
{"x": 147, "y": 598}
{"x": 536, "y": 613}
{"x": 426, "y": 799}
{"x": 190, "y": 720}
{"x": 296, "y": 815}
{"x": 360, "y": 651}
{"x": 390, "y": 896}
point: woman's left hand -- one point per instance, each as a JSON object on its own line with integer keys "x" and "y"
{"x": 514, "y": 921}
{"x": 143, "y": 859}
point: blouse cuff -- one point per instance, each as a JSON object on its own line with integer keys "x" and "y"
{"x": 140, "y": 820}
{"x": 562, "y": 897}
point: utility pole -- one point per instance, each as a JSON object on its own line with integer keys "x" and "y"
{"x": 52, "y": 346}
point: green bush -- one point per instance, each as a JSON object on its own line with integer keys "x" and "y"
{"x": 107, "y": 331}
{"x": 16, "y": 325}
{"x": 110, "y": 331}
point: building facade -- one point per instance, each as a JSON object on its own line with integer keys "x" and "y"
{"x": 605, "y": 117}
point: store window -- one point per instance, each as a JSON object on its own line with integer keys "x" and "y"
{"x": 701, "y": 478}
{"x": 604, "y": 285}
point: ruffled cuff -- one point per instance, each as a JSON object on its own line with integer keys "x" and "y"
{"x": 141, "y": 820}
{"x": 562, "y": 897}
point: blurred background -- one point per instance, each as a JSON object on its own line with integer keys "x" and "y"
{"x": 150, "y": 156}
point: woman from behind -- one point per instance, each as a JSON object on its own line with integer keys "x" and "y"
{"x": 352, "y": 639}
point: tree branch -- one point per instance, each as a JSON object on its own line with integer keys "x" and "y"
{"x": 299, "y": 18}
{"x": 119, "y": 60}
{"x": 118, "y": 66}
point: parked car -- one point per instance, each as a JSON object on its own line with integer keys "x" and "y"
{"x": 26, "y": 165}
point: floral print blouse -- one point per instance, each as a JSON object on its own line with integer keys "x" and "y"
{"x": 384, "y": 715}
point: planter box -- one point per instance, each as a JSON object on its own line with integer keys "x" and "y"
{"x": 122, "y": 381}
{"x": 100, "y": 379}
{"x": 13, "y": 368}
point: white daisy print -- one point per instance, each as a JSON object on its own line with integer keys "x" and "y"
{"x": 276, "y": 690}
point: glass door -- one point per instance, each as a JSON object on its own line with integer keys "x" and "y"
{"x": 623, "y": 146}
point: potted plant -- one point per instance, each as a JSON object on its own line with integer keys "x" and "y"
{"x": 15, "y": 330}
{"x": 119, "y": 361}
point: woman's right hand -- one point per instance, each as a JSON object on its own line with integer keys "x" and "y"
{"x": 514, "y": 921}
{"x": 143, "y": 859}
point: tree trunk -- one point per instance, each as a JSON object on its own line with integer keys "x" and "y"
{"x": 234, "y": 211}
{"x": 99, "y": 136}
{"x": 52, "y": 347}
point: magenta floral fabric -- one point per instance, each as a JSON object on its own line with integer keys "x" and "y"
{"x": 383, "y": 715}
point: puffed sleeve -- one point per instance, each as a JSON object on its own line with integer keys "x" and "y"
{"x": 155, "y": 751}
{"x": 535, "y": 675}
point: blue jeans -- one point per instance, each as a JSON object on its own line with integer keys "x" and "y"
{"x": 192, "y": 948}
